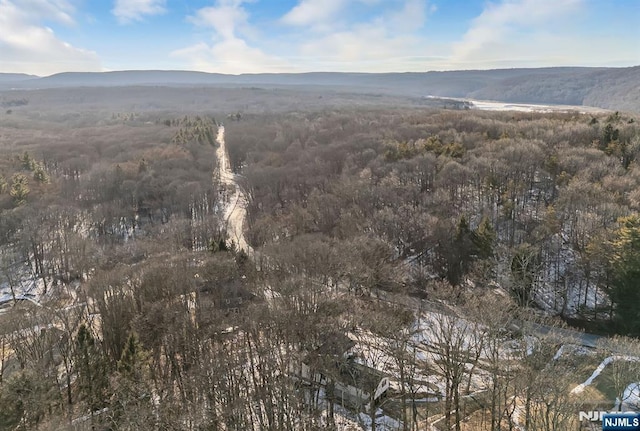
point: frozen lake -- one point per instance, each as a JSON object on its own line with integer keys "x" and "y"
{"x": 493, "y": 105}
{"x": 529, "y": 107}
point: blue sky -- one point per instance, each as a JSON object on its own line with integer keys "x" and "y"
{"x": 43, "y": 37}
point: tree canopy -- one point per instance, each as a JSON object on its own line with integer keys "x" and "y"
{"x": 625, "y": 289}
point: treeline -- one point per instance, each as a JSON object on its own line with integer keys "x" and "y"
{"x": 546, "y": 190}
{"x": 9, "y": 103}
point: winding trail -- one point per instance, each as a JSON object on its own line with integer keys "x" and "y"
{"x": 236, "y": 209}
{"x": 580, "y": 388}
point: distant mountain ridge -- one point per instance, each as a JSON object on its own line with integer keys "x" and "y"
{"x": 15, "y": 77}
{"x": 610, "y": 88}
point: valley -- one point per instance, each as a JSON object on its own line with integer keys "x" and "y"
{"x": 335, "y": 269}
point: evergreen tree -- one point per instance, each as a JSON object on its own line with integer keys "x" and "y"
{"x": 25, "y": 400}
{"x": 461, "y": 252}
{"x": 28, "y": 162}
{"x": 483, "y": 239}
{"x": 133, "y": 358}
{"x": 466, "y": 247}
{"x": 40, "y": 175}
{"x": 19, "y": 189}
{"x": 131, "y": 404}
{"x": 92, "y": 370}
{"x": 609, "y": 135}
{"x": 625, "y": 288}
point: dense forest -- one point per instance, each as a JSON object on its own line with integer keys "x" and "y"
{"x": 529, "y": 202}
{"x": 406, "y": 267}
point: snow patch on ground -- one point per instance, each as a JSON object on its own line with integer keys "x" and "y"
{"x": 27, "y": 287}
{"x": 384, "y": 423}
{"x": 581, "y": 387}
{"x": 346, "y": 420}
{"x": 560, "y": 285}
{"x": 631, "y": 397}
{"x": 558, "y": 353}
{"x": 571, "y": 350}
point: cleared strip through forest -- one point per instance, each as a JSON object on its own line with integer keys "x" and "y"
{"x": 236, "y": 209}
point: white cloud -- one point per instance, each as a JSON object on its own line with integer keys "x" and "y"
{"x": 229, "y": 52}
{"x": 314, "y": 11}
{"x": 411, "y": 17}
{"x": 388, "y": 35}
{"x": 224, "y": 18}
{"x": 327, "y": 40}
{"x": 54, "y": 10}
{"x": 28, "y": 46}
{"x": 323, "y": 13}
{"x": 367, "y": 48}
{"x": 388, "y": 42}
{"x": 231, "y": 56}
{"x": 127, "y": 11}
{"x": 516, "y": 31}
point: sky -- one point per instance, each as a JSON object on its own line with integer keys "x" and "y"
{"x": 44, "y": 37}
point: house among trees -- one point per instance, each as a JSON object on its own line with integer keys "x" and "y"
{"x": 334, "y": 367}
{"x": 359, "y": 385}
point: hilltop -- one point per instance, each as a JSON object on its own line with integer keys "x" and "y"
{"x": 609, "y": 88}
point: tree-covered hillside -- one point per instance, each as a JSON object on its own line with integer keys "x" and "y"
{"x": 609, "y": 88}
{"x": 404, "y": 267}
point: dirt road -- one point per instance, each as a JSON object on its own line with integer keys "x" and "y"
{"x": 236, "y": 208}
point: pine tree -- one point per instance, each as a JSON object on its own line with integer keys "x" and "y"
{"x": 28, "y": 162}
{"x": 131, "y": 400}
{"x": 19, "y": 188}
{"x": 461, "y": 254}
{"x": 92, "y": 370}
{"x": 625, "y": 263}
{"x": 609, "y": 135}
{"x": 133, "y": 358}
{"x": 25, "y": 399}
{"x": 483, "y": 239}
{"x": 40, "y": 175}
